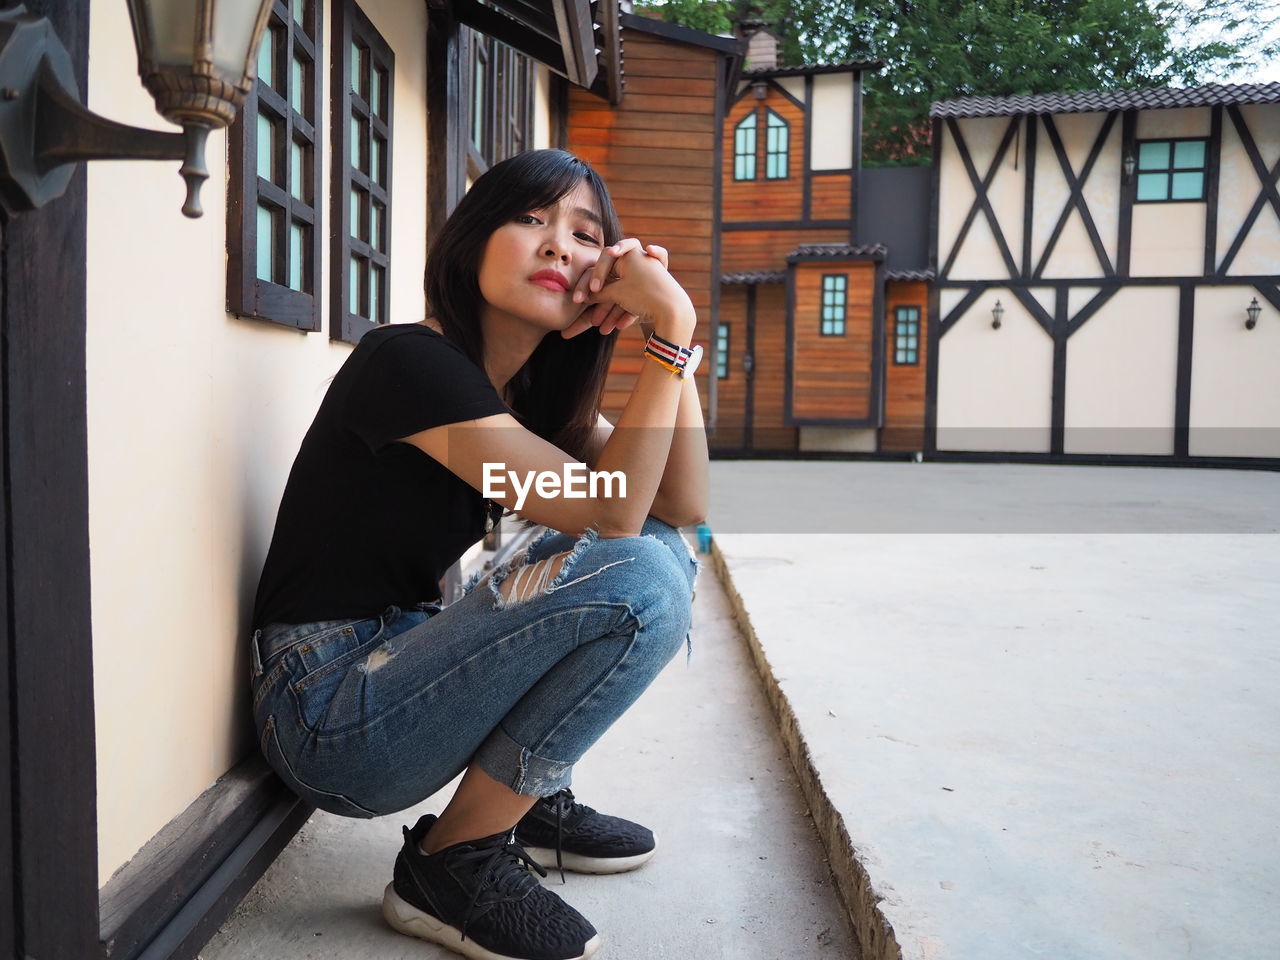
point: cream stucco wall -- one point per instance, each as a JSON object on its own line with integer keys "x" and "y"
{"x": 979, "y": 257}
{"x": 793, "y": 86}
{"x": 1074, "y": 254}
{"x": 1235, "y": 376}
{"x": 194, "y": 419}
{"x": 1260, "y": 252}
{"x": 1168, "y": 240}
{"x": 1122, "y": 370}
{"x": 831, "y": 126}
{"x": 995, "y": 386}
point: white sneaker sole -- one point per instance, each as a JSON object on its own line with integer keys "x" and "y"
{"x": 576, "y": 862}
{"x": 411, "y": 921}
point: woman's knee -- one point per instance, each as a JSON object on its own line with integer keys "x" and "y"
{"x": 674, "y": 541}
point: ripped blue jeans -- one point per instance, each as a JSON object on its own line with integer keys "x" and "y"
{"x": 367, "y": 717}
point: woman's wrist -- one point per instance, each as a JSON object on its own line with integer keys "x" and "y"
{"x": 675, "y": 324}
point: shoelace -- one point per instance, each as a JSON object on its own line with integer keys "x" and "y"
{"x": 501, "y": 872}
{"x": 565, "y": 808}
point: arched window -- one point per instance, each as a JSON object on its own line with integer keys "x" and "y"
{"x": 776, "y": 137}
{"x": 744, "y": 148}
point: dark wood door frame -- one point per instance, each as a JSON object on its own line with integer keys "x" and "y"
{"x": 48, "y": 797}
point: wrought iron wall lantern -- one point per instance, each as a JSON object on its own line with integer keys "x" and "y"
{"x": 1252, "y": 312}
{"x": 197, "y": 58}
{"x": 996, "y": 313}
{"x": 1129, "y": 164}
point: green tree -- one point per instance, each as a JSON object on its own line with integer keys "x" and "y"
{"x": 941, "y": 49}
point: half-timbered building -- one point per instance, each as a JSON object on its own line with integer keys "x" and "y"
{"x": 1107, "y": 270}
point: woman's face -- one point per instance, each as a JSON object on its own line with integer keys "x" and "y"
{"x": 530, "y": 265}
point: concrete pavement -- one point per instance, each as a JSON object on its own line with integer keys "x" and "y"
{"x": 740, "y": 873}
{"x": 1025, "y": 744}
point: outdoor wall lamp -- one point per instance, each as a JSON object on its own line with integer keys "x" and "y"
{"x": 197, "y": 58}
{"x": 1129, "y": 164}
{"x": 1252, "y": 311}
{"x": 760, "y": 89}
{"x": 996, "y": 313}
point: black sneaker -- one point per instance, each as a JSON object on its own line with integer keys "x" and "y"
{"x": 478, "y": 899}
{"x": 560, "y": 831}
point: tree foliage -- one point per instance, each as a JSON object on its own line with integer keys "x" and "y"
{"x": 941, "y": 49}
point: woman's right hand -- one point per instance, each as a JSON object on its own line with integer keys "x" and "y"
{"x": 628, "y": 280}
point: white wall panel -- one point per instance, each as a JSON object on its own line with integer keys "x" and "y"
{"x": 1122, "y": 369}
{"x": 1235, "y": 376}
{"x": 831, "y": 133}
{"x": 995, "y": 386}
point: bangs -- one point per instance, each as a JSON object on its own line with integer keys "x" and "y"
{"x": 536, "y": 180}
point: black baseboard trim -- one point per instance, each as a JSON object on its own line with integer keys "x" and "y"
{"x": 1066, "y": 459}
{"x": 171, "y": 898}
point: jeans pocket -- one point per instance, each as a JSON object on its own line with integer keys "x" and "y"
{"x": 314, "y": 683}
{"x": 335, "y": 803}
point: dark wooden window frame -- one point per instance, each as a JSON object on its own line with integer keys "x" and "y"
{"x": 247, "y": 294}
{"x": 506, "y": 102}
{"x": 912, "y": 354}
{"x": 785, "y": 153}
{"x": 739, "y": 154}
{"x": 722, "y": 351}
{"x": 842, "y": 320}
{"x": 1203, "y": 170}
{"x": 353, "y": 27}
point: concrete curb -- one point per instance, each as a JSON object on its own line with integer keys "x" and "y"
{"x": 874, "y": 932}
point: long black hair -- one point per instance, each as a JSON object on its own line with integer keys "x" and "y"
{"x": 557, "y": 392}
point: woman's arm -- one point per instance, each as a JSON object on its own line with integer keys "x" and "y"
{"x": 494, "y": 448}
{"x": 682, "y": 494}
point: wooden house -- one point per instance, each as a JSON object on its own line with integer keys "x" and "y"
{"x": 819, "y": 336}
{"x": 1108, "y": 277}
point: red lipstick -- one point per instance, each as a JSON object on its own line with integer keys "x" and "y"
{"x": 551, "y": 279}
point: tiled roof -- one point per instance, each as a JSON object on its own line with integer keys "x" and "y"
{"x": 816, "y": 68}
{"x": 908, "y": 274}
{"x": 757, "y": 276}
{"x": 1099, "y": 100}
{"x": 838, "y": 250}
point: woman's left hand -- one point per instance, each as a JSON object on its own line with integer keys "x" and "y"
{"x": 605, "y": 316}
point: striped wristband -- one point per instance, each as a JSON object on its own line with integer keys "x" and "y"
{"x": 667, "y": 353}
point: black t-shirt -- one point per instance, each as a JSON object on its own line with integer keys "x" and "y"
{"x": 365, "y": 522}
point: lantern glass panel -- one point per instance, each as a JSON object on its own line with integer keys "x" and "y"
{"x": 233, "y": 23}
{"x": 173, "y": 30}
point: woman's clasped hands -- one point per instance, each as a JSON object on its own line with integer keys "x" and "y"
{"x": 629, "y": 282}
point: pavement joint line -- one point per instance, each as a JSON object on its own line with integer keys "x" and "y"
{"x": 873, "y": 930}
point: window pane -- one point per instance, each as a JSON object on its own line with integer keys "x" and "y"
{"x": 266, "y": 148}
{"x": 1187, "y": 186}
{"x": 377, "y": 96}
{"x": 298, "y": 86}
{"x": 297, "y": 247}
{"x": 357, "y": 70}
{"x": 299, "y": 8}
{"x": 296, "y": 170}
{"x": 266, "y": 242}
{"x": 1153, "y": 186}
{"x": 358, "y": 228}
{"x": 1154, "y": 155}
{"x": 355, "y": 305}
{"x": 375, "y": 162}
{"x": 477, "y": 106}
{"x": 376, "y": 228}
{"x": 360, "y": 144}
{"x": 375, "y": 293}
{"x": 266, "y": 56}
{"x": 1188, "y": 153}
